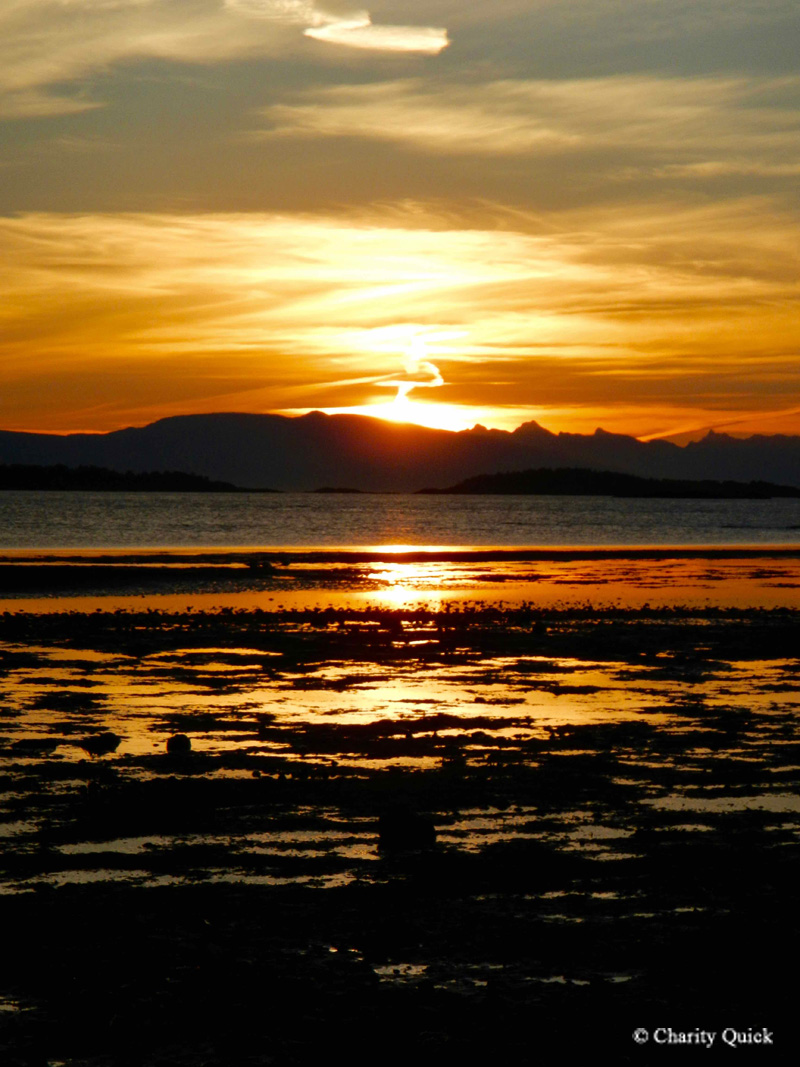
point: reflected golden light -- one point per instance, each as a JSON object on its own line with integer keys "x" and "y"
{"x": 661, "y": 581}
{"x": 410, "y": 575}
{"x": 403, "y": 596}
{"x": 404, "y": 584}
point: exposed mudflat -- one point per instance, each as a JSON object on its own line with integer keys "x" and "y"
{"x": 614, "y": 794}
{"x": 176, "y": 579}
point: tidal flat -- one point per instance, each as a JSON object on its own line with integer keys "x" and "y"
{"x": 613, "y": 791}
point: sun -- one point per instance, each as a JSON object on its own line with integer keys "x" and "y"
{"x": 429, "y": 413}
{"x": 418, "y": 376}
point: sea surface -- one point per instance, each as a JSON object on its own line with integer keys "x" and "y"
{"x": 31, "y": 520}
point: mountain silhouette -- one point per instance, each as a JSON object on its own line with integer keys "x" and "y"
{"x": 356, "y": 451}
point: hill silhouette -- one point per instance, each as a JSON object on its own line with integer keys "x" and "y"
{"x": 582, "y": 482}
{"x": 101, "y": 479}
{"x": 313, "y": 450}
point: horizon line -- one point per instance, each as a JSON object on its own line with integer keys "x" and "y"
{"x": 690, "y": 436}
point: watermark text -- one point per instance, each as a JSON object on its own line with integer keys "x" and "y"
{"x": 733, "y": 1037}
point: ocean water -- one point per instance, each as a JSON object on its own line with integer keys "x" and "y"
{"x": 31, "y": 520}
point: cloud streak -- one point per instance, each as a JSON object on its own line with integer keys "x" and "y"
{"x": 420, "y": 373}
{"x": 691, "y": 117}
{"x": 353, "y": 29}
{"x": 637, "y": 313}
{"x": 44, "y": 43}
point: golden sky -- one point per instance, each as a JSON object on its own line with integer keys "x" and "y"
{"x": 584, "y": 214}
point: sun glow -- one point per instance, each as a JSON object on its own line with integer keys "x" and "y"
{"x": 434, "y": 416}
{"x": 419, "y": 372}
{"x": 420, "y": 413}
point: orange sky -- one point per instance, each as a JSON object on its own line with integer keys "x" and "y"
{"x": 475, "y": 216}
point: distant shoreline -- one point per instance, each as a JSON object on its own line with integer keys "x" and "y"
{"x": 254, "y": 558}
{"x": 544, "y": 481}
{"x": 59, "y": 478}
{"x": 580, "y": 481}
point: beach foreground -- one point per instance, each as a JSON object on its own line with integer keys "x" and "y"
{"x": 614, "y": 794}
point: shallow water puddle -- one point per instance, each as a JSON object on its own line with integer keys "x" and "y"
{"x": 569, "y": 738}
{"x": 141, "y": 707}
{"x": 770, "y": 802}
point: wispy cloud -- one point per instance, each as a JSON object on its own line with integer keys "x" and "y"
{"x": 45, "y": 43}
{"x": 688, "y": 310}
{"x": 688, "y": 117}
{"x": 353, "y": 29}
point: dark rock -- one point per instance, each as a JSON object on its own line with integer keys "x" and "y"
{"x": 179, "y": 745}
{"x": 101, "y": 744}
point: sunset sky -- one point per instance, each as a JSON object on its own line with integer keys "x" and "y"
{"x": 583, "y": 213}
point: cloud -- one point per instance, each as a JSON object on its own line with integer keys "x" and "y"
{"x": 44, "y": 43}
{"x": 634, "y": 308}
{"x": 730, "y": 168}
{"x": 495, "y": 118}
{"x": 30, "y": 103}
{"x": 420, "y": 373}
{"x": 353, "y": 29}
{"x": 688, "y": 116}
{"x": 360, "y": 33}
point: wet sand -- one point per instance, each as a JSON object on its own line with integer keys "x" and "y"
{"x": 403, "y": 577}
{"x": 613, "y": 789}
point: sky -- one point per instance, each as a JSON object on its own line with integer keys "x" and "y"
{"x": 583, "y": 213}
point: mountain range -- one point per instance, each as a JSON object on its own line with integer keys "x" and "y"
{"x": 308, "y": 451}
